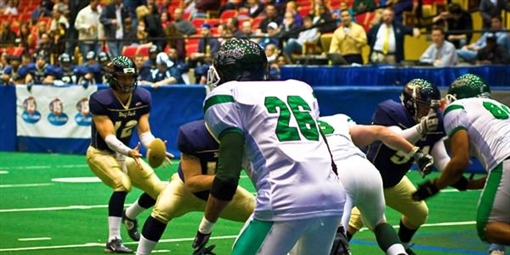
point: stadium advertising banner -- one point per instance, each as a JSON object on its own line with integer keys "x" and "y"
{"x": 53, "y": 112}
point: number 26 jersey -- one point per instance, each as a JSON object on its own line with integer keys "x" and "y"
{"x": 285, "y": 156}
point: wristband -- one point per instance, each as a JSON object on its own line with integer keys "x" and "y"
{"x": 205, "y": 226}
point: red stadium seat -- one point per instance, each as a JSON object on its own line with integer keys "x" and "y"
{"x": 130, "y": 51}
{"x": 144, "y": 50}
{"x": 197, "y": 22}
{"x": 226, "y": 14}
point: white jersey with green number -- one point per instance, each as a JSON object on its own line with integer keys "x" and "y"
{"x": 289, "y": 162}
{"x": 336, "y": 129}
{"x": 488, "y": 124}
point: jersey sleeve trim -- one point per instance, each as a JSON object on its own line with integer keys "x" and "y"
{"x": 450, "y": 135}
{"x": 218, "y": 99}
{"x": 452, "y": 108}
{"x": 231, "y": 130}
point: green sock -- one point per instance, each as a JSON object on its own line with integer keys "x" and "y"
{"x": 386, "y": 236}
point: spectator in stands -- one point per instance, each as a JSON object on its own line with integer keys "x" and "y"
{"x": 57, "y": 18}
{"x": 44, "y": 45}
{"x": 291, "y": 6}
{"x": 348, "y": 39}
{"x": 231, "y": 5}
{"x": 202, "y": 69}
{"x": 275, "y": 68}
{"x": 324, "y": 19}
{"x": 492, "y": 53}
{"x": 7, "y": 36}
{"x": 58, "y": 41}
{"x": 142, "y": 37}
{"x": 14, "y": 73}
{"x": 40, "y": 28}
{"x": 184, "y": 26}
{"x": 41, "y": 72}
{"x": 87, "y": 23}
{"x": 43, "y": 10}
{"x": 3, "y": 60}
{"x": 165, "y": 74}
{"x": 62, "y": 6}
{"x": 143, "y": 71}
{"x": 11, "y": 8}
{"x": 440, "y": 53}
{"x": 491, "y": 8}
{"x": 290, "y": 27}
{"x": 175, "y": 40}
{"x": 361, "y": 6}
{"x": 74, "y": 7}
{"x": 179, "y": 63}
{"x": 204, "y": 6}
{"x": 272, "y": 52}
{"x": 253, "y": 7}
{"x": 206, "y": 44}
{"x": 224, "y": 33}
{"x": 25, "y": 38}
{"x": 308, "y": 35}
{"x": 386, "y": 40}
{"x": 150, "y": 64}
{"x": 456, "y": 19}
{"x": 233, "y": 26}
{"x": 163, "y": 8}
{"x": 271, "y": 16}
{"x": 114, "y": 17}
{"x": 165, "y": 19}
{"x": 154, "y": 27}
{"x": 468, "y": 52}
{"x": 271, "y": 37}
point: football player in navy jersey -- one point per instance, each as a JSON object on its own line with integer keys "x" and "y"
{"x": 90, "y": 71}
{"x": 41, "y": 72}
{"x": 189, "y": 188}
{"x": 418, "y": 118}
{"x": 68, "y": 74}
{"x": 115, "y": 112}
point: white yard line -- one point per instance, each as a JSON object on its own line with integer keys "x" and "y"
{"x": 28, "y": 239}
{"x": 24, "y": 185}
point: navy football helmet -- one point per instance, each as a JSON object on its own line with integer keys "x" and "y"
{"x": 238, "y": 60}
{"x": 65, "y": 60}
{"x": 419, "y": 96}
{"x": 121, "y": 74}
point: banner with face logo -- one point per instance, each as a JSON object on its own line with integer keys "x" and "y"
{"x": 53, "y": 112}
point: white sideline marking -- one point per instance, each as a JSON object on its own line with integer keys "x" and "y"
{"x": 43, "y": 167}
{"x": 440, "y": 224}
{"x": 25, "y": 185}
{"x": 102, "y": 244}
{"x": 34, "y": 239}
{"x": 71, "y": 207}
{"x": 77, "y": 179}
{"x": 4, "y": 172}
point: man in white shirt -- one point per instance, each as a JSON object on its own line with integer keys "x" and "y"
{"x": 440, "y": 53}
{"x": 87, "y": 23}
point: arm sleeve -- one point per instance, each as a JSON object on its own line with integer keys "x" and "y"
{"x": 426, "y": 57}
{"x": 221, "y": 113}
{"x": 229, "y": 166}
{"x": 455, "y": 119}
{"x": 441, "y": 157}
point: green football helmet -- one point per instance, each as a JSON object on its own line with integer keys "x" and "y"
{"x": 466, "y": 86}
{"x": 238, "y": 60}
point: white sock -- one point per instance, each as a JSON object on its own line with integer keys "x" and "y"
{"x": 145, "y": 246}
{"x": 134, "y": 210}
{"x": 114, "y": 228}
{"x": 396, "y": 249}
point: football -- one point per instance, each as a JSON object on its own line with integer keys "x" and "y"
{"x": 156, "y": 153}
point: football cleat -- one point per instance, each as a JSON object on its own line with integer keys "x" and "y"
{"x": 116, "y": 246}
{"x": 131, "y": 227}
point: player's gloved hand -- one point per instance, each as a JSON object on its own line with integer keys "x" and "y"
{"x": 425, "y": 190}
{"x": 425, "y": 162}
{"x": 199, "y": 244}
{"x": 428, "y": 123}
{"x": 461, "y": 184}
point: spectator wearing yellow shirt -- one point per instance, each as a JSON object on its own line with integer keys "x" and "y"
{"x": 348, "y": 39}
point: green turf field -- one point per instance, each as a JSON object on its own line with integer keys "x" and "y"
{"x": 53, "y": 204}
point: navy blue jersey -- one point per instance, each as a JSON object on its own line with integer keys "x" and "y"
{"x": 104, "y": 102}
{"x": 39, "y": 74}
{"x": 391, "y": 166}
{"x": 68, "y": 75}
{"x": 195, "y": 140}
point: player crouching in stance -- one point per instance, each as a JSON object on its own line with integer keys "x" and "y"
{"x": 361, "y": 179}
{"x": 115, "y": 112}
{"x": 270, "y": 129}
{"x": 478, "y": 126}
{"x": 189, "y": 188}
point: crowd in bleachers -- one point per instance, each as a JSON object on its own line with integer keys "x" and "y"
{"x": 35, "y": 35}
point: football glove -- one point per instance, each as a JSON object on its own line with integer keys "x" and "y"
{"x": 428, "y": 123}
{"x": 425, "y": 162}
{"x": 340, "y": 244}
{"x": 199, "y": 244}
{"x": 425, "y": 190}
